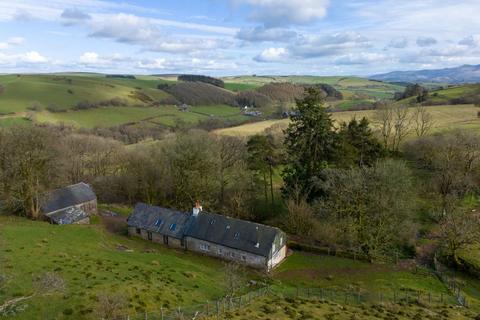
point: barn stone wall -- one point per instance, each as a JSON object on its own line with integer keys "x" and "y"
{"x": 155, "y": 237}
{"x": 226, "y": 253}
{"x": 89, "y": 207}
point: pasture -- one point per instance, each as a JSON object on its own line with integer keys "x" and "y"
{"x": 114, "y": 116}
{"x": 93, "y": 260}
{"x": 445, "y": 118}
{"x": 63, "y": 91}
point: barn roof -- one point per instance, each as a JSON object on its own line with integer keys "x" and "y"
{"x": 160, "y": 220}
{"x": 69, "y": 196}
{"x": 234, "y": 233}
{"x": 67, "y": 216}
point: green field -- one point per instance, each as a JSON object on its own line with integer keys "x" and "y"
{"x": 63, "y": 91}
{"x": 113, "y": 116}
{"x": 445, "y": 118}
{"x": 14, "y": 121}
{"x": 287, "y": 308}
{"x": 351, "y": 87}
{"x": 93, "y": 261}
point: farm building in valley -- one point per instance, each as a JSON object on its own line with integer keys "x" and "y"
{"x": 246, "y": 242}
{"x": 70, "y": 205}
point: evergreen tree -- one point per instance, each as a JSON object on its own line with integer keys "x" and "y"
{"x": 358, "y": 144}
{"x": 310, "y": 144}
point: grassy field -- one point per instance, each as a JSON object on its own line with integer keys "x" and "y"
{"x": 351, "y": 87}
{"x": 63, "y": 91}
{"x": 93, "y": 261}
{"x": 301, "y": 308}
{"x": 445, "y": 118}
{"x": 14, "y": 121}
{"x": 113, "y": 116}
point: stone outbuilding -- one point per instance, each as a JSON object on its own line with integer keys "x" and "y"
{"x": 70, "y": 205}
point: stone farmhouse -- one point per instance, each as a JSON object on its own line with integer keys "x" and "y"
{"x": 70, "y": 205}
{"x": 252, "y": 244}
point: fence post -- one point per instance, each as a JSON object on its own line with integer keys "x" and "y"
{"x": 441, "y": 297}
{"x": 146, "y": 315}
{"x": 218, "y": 309}
{"x": 208, "y": 309}
{"x": 161, "y": 312}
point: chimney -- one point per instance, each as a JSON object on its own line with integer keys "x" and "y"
{"x": 197, "y": 209}
{"x": 257, "y": 243}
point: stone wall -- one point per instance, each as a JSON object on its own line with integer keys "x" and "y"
{"x": 155, "y": 237}
{"x": 89, "y": 207}
{"x": 225, "y": 253}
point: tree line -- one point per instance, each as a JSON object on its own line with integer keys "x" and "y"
{"x": 370, "y": 189}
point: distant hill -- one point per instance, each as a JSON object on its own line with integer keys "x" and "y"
{"x": 462, "y": 74}
{"x": 451, "y": 95}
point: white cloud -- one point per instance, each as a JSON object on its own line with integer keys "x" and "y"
{"x": 361, "y": 59}
{"x": 11, "y": 42}
{"x": 89, "y": 58}
{"x": 74, "y": 16}
{"x": 327, "y": 45}
{"x": 398, "y": 43}
{"x": 30, "y": 57}
{"x": 470, "y": 41}
{"x": 272, "y": 55}
{"x": 426, "y": 41}
{"x": 132, "y": 29}
{"x": 261, "y": 34}
{"x": 275, "y": 13}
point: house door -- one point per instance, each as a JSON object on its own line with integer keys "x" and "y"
{"x": 165, "y": 239}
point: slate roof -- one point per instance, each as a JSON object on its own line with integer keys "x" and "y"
{"x": 160, "y": 220}
{"x": 69, "y": 196}
{"x": 234, "y": 233}
{"x": 68, "y": 216}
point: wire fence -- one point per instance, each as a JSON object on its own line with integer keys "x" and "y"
{"x": 450, "y": 281}
{"x": 206, "y": 310}
{"x": 216, "y": 309}
{"x": 345, "y": 296}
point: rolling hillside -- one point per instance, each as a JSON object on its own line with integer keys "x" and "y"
{"x": 97, "y": 100}
{"x": 445, "y": 118}
{"x": 461, "y": 94}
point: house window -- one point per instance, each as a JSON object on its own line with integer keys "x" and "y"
{"x": 158, "y": 223}
{"x": 204, "y": 247}
{"x": 244, "y": 257}
{"x": 232, "y": 255}
{"x": 149, "y": 235}
{"x": 273, "y": 247}
{"x": 212, "y": 221}
{"x": 139, "y": 231}
{"x": 236, "y": 236}
{"x": 173, "y": 226}
{"x": 220, "y": 251}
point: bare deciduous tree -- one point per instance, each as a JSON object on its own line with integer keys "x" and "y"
{"x": 384, "y": 115}
{"x": 422, "y": 120}
{"x": 110, "y": 306}
{"x": 300, "y": 218}
{"x": 459, "y": 229}
{"x": 401, "y": 126}
{"x": 50, "y": 283}
{"x": 234, "y": 278}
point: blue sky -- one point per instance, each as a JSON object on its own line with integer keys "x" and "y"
{"x": 233, "y": 37}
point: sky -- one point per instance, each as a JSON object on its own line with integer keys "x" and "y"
{"x": 237, "y": 37}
